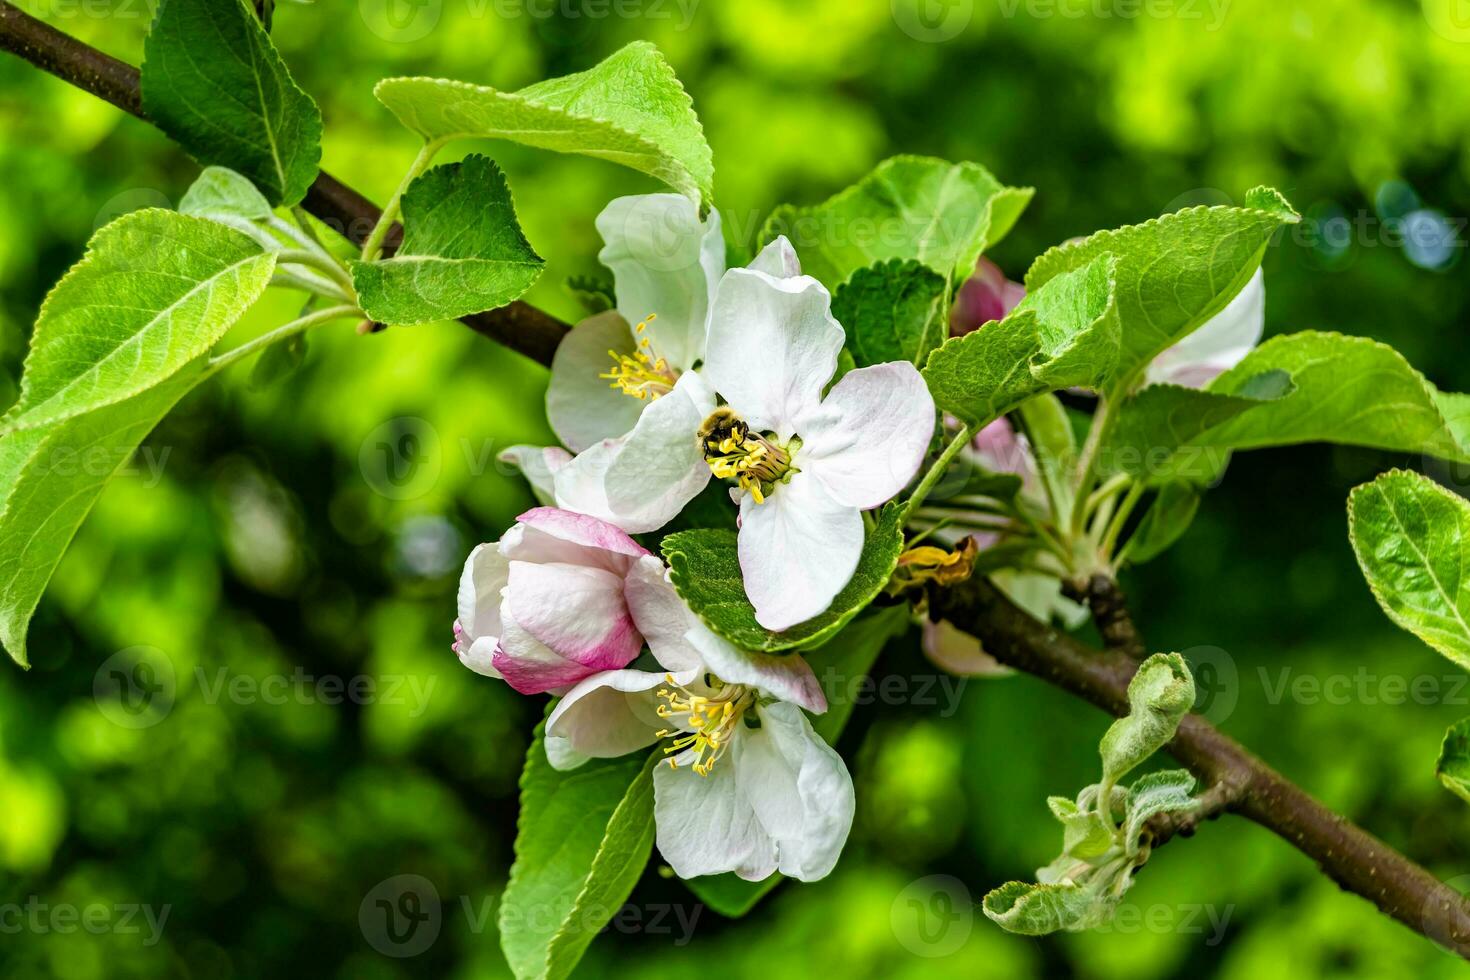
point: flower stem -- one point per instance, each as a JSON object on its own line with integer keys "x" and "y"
{"x": 373, "y": 244}
{"x": 936, "y": 471}
{"x": 222, "y": 361}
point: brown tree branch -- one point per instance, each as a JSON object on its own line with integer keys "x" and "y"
{"x": 519, "y": 326}
{"x": 1238, "y": 781}
{"x": 1109, "y": 607}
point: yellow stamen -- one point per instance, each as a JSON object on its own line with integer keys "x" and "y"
{"x": 706, "y": 721}
{"x": 642, "y": 374}
{"x": 755, "y": 462}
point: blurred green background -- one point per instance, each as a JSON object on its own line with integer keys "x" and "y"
{"x": 260, "y": 545}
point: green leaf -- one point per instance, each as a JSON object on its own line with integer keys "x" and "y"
{"x": 583, "y": 840}
{"x": 1038, "y": 910}
{"x": 943, "y": 214}
{"x": 463, "y": 251}
{"x": 595, "y": 295}
{"x": 1349, "y": 390}
{"x": 49, "y": 480}
{"x": 705, "y": 569}
{"x": 629, "y": 109}
{"x": 1453, "y": 768}
{"x": 838, "y": 663}
{"x": 892, "y": 312}
{"x": 220, "y": 193}
{"x": 1063, "y": 335}
{"x": 1159, "y": 430}
{"x": 213, "y": 80}
{"x": 1048, "y": 428}
{"x": 1412, "y": 539}
{"x": 1165, "y": 522}
{"x": 1158, "y": 792}
{"x": 155, "y": 290}
{"x": 1177, "y": 271}
{"x": 1085, "y": 834}
{"x": 1159, "y": 696}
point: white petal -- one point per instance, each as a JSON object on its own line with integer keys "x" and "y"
{"x": 772, "y": 347}
{"x": 784, "y": 676}
{"x": 552, "y": 534}
{"x": 797, "y": 551}
{"x": 581, "y": 485}
{"x": 1217, "y": 346}
{"x": 959, "y": 653}
{"x": 480, "y": 584}
{"x": 866, "y": 441}
{"x": 664, "y": 261}
{"x": 538, "y": 465}
{"x": 561, "y": 755}
{"x": 705, "y": 826}
{"x": 605, "y": 716}
{"x": 576, "y": 610}
{"x": 659, "y": 468}
{"x": 582, "y": 407}
{"x": 799, "y": 788}
{"x": 777, "y": 259}
{"x": 661, "y": 616}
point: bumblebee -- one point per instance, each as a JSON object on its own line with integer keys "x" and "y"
{"x": 722, "y": 429}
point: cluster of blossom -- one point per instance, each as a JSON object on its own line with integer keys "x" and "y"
{"x": 704, "y": 372}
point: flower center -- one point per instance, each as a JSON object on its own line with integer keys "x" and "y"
{"x": 642, "y": 374}
{"x": 755, "y": 462}
{"x": 703, "y": 724}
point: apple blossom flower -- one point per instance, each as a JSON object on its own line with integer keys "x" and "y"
{"x": 538, "y": 464}
{"x": 549, "y": 603}
{"x": 745, "y": 785}
{"x": 805, "y": 466}
{"x": 628, "y": 400}
{"x": 987, "y": 295}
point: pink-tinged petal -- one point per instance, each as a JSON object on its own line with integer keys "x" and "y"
{"x": 953, "y": 650}
{"x": 607, "y": 715}
{"x": 797, "y": 550}
{"x": 787, "y": 677}
{"x": 477, "y": 631}
{"x": 661, "y": 616}
{"x": 1000, "y": 449}
{"x": 987, "y": 295}
{"x": 584, "y": 409}
{"x": 772, "y": 347}
{"x": 550, "y": 534}
{"x": 778, "y": 259}
{"x": 577, "y": 611}
{"x": 530, "y": 666}
{"x": 799, "y": 788}
{"x": 868, "y": 438}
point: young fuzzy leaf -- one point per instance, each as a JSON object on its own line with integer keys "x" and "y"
{"x": 629, "y": 109}
{"x": 463, "y": 251}
{"x": 221, "y": 194}
{"x": 1085, "y": 834}
{"x": 942, "y": 214}
{"x": 1350, "y": 391}
{"x": 1412, "y": 539}
{"x": 1165, "y": 522}
{"x": 1453, "y": 768}
{"x": 1159, "y": 696}
{"x": 705, "y": 569}
{"x": 155, "y": 290}
{"x": 1039, "y": 910}
{"x": 1062, "y": 336}
{"x": 1158, "y": 792}
{"x": 894, "y": 311}
{"x": 46, "y": 491}
{"x": 213, "y": 81}
{"x": 584, "y": 838}
{"x": 1177, "y": 271}
{"x": 1155, "y": 437}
